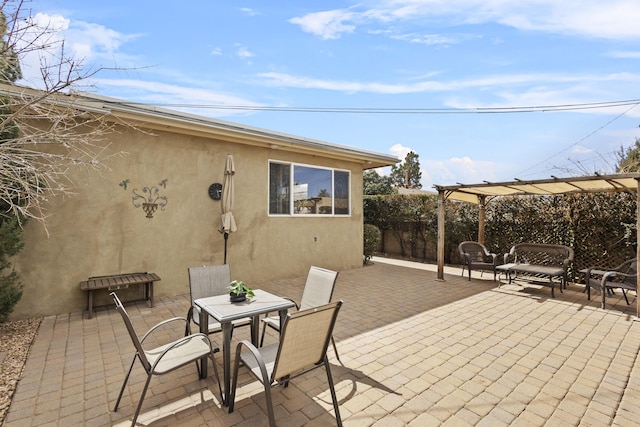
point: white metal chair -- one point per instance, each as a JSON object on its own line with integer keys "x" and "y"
{"x": 318, "y": 290}
{"x": 302, "y": 347}
{"x": 208, "y": 281}
{"x": 164, "y": 358}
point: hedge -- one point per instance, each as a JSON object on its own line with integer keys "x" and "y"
{"x": 600, "y": 227}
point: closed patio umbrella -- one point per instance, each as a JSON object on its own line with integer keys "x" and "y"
{"x": 228, "y": 222}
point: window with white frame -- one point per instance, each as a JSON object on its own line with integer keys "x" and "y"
{"x": 296, "y": 189}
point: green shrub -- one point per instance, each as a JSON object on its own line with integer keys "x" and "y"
{"x": 371, "y": 238}
{"x": 10, "y": 294}
{"x": 600, "y": 227}
{"x": 10, "y": 244}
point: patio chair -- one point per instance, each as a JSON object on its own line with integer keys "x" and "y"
{"x": 318, "y": 290}
{"x": 476, "y": 257}
{"x": 164, "y": 358}
{"x": 623, "y": 277}
{"x": 302, "y": 347}
{"x": 208, "y": 281}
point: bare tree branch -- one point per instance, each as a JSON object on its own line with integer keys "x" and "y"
{"x": 54, "y": 136}
{"x": 53, "y": 129}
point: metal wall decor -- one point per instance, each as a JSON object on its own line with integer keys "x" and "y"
{"x": 150, "y": 199}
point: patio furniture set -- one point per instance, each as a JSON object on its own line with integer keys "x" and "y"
{"x": 303, "y": 343}
{"x": 305, "y": 334}
{"x": 537, "y": 262}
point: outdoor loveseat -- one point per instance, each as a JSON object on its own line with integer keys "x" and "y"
{"x": 537, "y": 262}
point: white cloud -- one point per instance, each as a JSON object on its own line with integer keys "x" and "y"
{"x": 244, "y": 53}
{"x": 84, "y": 42}
{"x": 216, "y": 51}
{"x": 454, "y": 170}
{"x": 328, "y": 25}
{"x": 581, "y": 149}
{"x": 383, "y": 171}
{"x": 87, "y": 40}
{"x": 400, "y": 151}
{"x": 54, "y": 23}
{"x": 249, "y": 11}
{"x": 625, "y": 54}
{"x": 44, "y": 31}
{"x": 427, "y": 39}
{"x": 175, "y": 93}
{"x": 157, "y": 93}
{"x": 97, "y": 39}
{"x": 614, "y": 19}
{"x": 508, "y": 90}
{"x": 288, "y": 80}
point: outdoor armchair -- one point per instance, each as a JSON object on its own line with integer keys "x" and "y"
{"x": 476, "y": 257}
{"x": 166, "y": 357}
{"x": 303, "y": 344}
{"x": 318, "y": 290}
{"x": 623, "y": 277}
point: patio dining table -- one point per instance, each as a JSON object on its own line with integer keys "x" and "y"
{"x": 224, "y": 311}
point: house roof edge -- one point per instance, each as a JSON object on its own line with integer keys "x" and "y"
{"x": 167, "y": 119}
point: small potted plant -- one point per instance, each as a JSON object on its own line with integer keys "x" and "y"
{"x": 239, "y": 291}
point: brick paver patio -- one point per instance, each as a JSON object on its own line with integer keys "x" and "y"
{"x": 414, "y": 351}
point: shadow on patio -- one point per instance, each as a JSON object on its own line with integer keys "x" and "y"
{"x": 414, "y": 351}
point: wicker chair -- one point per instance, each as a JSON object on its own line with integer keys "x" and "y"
{"x": 164, "y": 358}
{"x": 302, "y": 347}
{"x": 623, "y": 277}
{"x": 476, "y": 257}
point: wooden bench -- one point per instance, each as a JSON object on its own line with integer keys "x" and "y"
{"x": 119, "y": 281}
{"x": 538, "y": 261}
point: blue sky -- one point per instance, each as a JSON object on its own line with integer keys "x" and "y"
{"x": 382, "y": 61}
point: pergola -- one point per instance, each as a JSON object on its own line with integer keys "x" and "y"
{"x": 481, "y": 194}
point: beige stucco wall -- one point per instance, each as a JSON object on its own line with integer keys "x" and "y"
{"x": 98, "y": 231}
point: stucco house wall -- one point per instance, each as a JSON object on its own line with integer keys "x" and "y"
{"x": 99, "y": 231}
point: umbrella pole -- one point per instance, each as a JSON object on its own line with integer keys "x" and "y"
{"x": 226, "y": 237}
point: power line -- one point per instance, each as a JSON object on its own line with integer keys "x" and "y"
{"x": 384, "y": 110}
{"x": 581, "y": 139}
{"x": 631, "y": 103}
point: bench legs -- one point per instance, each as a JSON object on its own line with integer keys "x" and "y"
{"x": 148, "y": 296}
{"x": 509, "y": 276}
{"x": 148, "y": 293}
{"x": 90, "y": 302}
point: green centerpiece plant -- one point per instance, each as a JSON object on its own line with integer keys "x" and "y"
{"x": 239, "y": 291}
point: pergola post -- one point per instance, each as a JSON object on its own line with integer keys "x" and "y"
{"x": 440, "y": 254}
{"x": 482, "y": 202}
{"x": 637, "y": 247}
